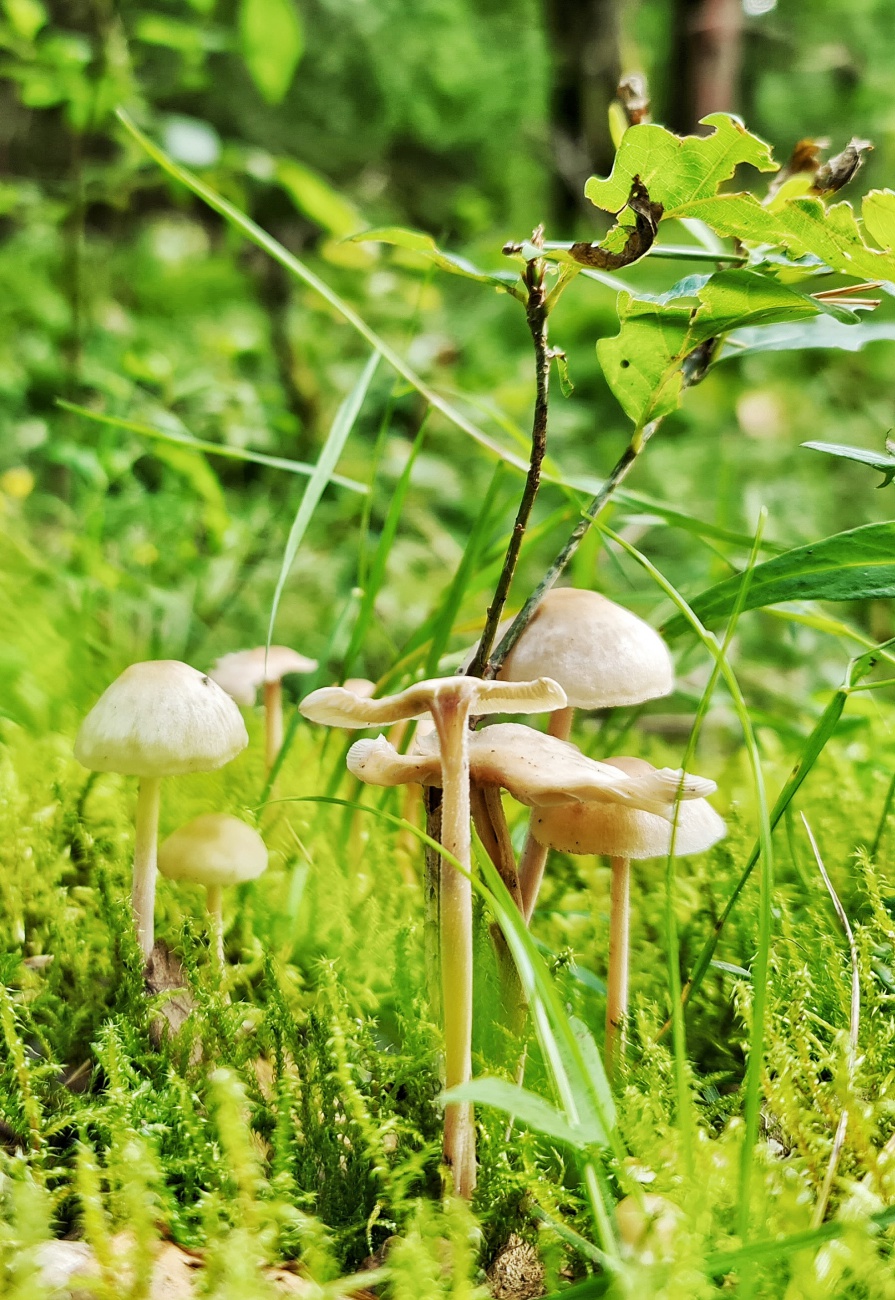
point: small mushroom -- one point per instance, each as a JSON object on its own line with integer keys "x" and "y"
{"x": 214, "y": 850}
{"x": 623, "y": 834}
{"x": 241, "y": 673}
{"x": 160, "y": 718}
{"x": 450, "y": 701}
{"x": 603, "y": 656}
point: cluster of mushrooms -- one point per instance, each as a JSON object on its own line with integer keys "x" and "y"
{"x": 164, "y": 718}
{"x": 580, "y": 650}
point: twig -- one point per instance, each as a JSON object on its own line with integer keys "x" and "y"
{"x": 616, "y": 476}
{"x": 854, "y": 1021}
{"x": 536, "y": 313}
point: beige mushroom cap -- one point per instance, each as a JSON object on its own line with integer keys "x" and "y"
{"x": 362, "y": 687}
{"x": 601, "y": 654}
{"x": 335, "y": 706}
{"x": 161, "y": 718}
{"x": 214, "y": 849}
{"x": 536, "y": 769}
{"x": 241, "y": 673}
{"x": 620, "y": 832}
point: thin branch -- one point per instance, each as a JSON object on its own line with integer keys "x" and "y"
{"x": 536, "y": 312}
{"x": 613, "y": 481}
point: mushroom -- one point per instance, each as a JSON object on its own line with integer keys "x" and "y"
{"x": 603, "y": 656}
{"x": 161, "y": 718}
{"x": 450, "y": 701}
{"x": 214, "y": 850}
{"x": 623, "y": 834}
{"x": 241, "y": 673}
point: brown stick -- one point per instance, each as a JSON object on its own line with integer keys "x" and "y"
{"x": 273, "y": 721}
{"x": 536, "y": 316}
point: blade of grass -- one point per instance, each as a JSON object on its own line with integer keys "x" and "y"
{"x": 297, "y": 268}
{"x": 469, "y": 566}
{"x": 814, "y": 747}
{"x": 332, "y": 449}
{"x": 762, "y": 961}
{"x": 671, "y": 935}
{"x": 854, "y": 1023}
{"x": 210, "y": 448}
{"x": 883, "y": 818}
{"x": 376, "y": 576}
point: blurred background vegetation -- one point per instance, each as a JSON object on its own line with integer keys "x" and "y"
{"x": 471, "y": 120}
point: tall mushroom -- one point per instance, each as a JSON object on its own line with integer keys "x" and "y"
{"x": 160, "y": 718}
{"x": 214, "y": 850}
{"x": 603, "y": 656}
{"x": 241, "y": 673}
{"x": 624, "y": 834}
{"x": 450, "y": 701}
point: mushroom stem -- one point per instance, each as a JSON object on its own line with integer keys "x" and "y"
{"x": 617, "y": 988}
{"x": 560, "y": 723}
{"x": 534, "y": 855}
{"x": 450, "y": 713}
{"x": 145, "y": 860}
{"x": 215, "y": 900}
{"x": 273, "y": 721}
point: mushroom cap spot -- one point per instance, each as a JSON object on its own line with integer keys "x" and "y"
{"x": 616, "y": 831}
{"x": 161, "y": 718}
{"x": 601, "y": 654}
{"x": 241, "y": 673}
{"x": 214, "y": 849}
{"x": 334, "y": 706}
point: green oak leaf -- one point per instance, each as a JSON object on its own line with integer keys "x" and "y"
{"x": 878, "y": 211}
{"x": 642, "y": 363}
{"x": 679, "y": 170}
{"x": 802, "y": 226}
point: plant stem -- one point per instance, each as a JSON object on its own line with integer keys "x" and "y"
{"x": 617, "y": 475}
{"x": 450, "y": 713}
{"x": 536, "y": 313}
{"x": 215, "y": 898}
{"x": 617, "y": 989}
{"x": 273, "y": 721}
{"x": 145, "y": 858}
{"x": 673, "y": 252}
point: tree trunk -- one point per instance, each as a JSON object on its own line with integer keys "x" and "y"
{"x": 705, "y": 60}
{"x": 584, "y": 40}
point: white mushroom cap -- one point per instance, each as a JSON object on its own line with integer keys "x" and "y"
{"x": 601, "y": 654}
{"x": 161, "y": 718}
{"x": 241, "y": 673}
{"x": 335, "y": 706}
{"x": 619, "y": 832}
{"x": 214, "y": 849}
{"x": 537, "y": 770}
